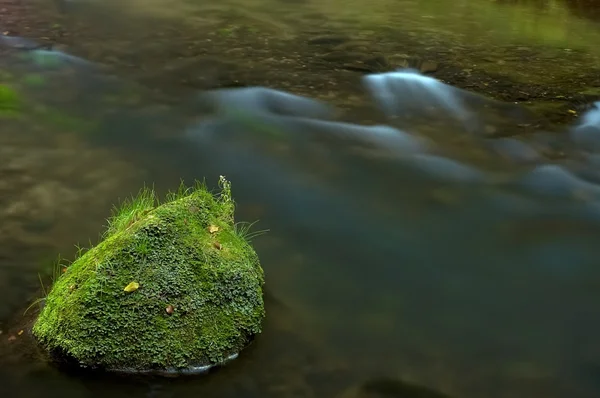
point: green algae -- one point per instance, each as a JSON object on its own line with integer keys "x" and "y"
{"x": 34, "y": 80}
{"x": 60, "y": 119}
{"x": 199, "y": 299}
{"x": 10, "y": 102}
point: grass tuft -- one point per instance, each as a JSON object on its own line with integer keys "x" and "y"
{"x": 131, "y": 210}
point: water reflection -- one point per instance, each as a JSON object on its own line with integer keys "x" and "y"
{"x": 388, "y": 257}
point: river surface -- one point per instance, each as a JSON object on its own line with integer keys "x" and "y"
{"x": 460, "y": 259}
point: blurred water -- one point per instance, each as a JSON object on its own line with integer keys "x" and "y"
{"x": 390, "y": 252}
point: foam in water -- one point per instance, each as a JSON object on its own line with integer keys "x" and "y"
{"x": 555, "y": 180}
{"x": 589, "y": 169}
{"x": 445, "y": 169}
{"x": 52, "y": 59}
{"x": 587, "y": 133}
{"x": 383, "y": 137}
{"x": 273, "y": 113}
{"x": 263, "y": 100}
{"x": 406, "y": 92}
{"x": 256, "y": 110}
{"x": 515, "y": 150}
{"x": 303, "y": 130}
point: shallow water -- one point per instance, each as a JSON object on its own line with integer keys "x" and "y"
{"x": 542, "y": 54}
{"x": 439, "y": 254}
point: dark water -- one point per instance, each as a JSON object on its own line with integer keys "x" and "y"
{"x": 451, "y": 258}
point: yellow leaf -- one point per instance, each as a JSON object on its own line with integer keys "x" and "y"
{"x": 132, "y": 287}
{"x": 20, "y": 332}
{"x": 213, "y": 228}
{"x": 572, "y": 111}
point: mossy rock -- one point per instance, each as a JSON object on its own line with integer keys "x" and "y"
{"x": 174, "y": 287}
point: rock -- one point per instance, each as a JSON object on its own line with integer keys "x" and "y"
{"x": 399, "y": 60}
{"x": 428, "y": 67}
{"x": 109, "y": 309}
{"x": 390, "y": 388}
{"x": 377, "y": 62}
{"x": 345, "y": 56}
{"x": 407, "y": 61}
{"x": 359, "y": 61}
{"x": 356, "y": 45}
{"x": 329, "y": 39}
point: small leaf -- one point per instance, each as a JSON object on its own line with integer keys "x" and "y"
{"x": 20, "y": 332}
{"x": 213, "y": 228}
{"x": 132, "y": 287}
{"x": 11, "y": 338}
{"x": 170, "y": 309}
{"x": 218, "y": 246}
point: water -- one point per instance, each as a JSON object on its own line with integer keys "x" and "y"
{"x": 426, "y": 247}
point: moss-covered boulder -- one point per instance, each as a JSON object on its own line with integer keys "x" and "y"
{"x": 171, "y": 287}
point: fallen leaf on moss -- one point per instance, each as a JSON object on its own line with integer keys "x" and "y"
{"x": 132, "y": 287}
{"x": 20, "y": 332}
{"x": 218, "y": 246}
{"x": 213, "y": 228}
{"x": 170, "y": 309}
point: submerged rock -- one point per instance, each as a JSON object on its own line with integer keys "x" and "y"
{"x": 171, "y": 288}
{"x": 391, "y": 388}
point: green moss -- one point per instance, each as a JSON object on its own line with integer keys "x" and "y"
{"x": 10, "y": 103}
{"x": 212, "y": 280}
